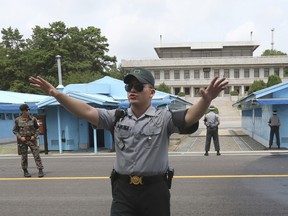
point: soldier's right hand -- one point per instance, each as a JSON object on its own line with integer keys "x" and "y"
{"x": 41, "y": 83}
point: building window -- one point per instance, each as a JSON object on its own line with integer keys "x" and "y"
{"x": 246, "y": 73}
{"x": 256, "y": 72}
{"x": 197, "y": 92}
{"x": 187, "y": 90}
{"x": 276, "y": 71}
{"x": 16, "y": 115}
{"x": 226, "y": 73}
{"x": 285, "y": 72}
{"x": 177, "y": 75}
{"x": 216, "y": 73}
{"x": 186, "y": 74}
{"x": 8, "y": 116}
{"x": 157, "y": 75}
{"x": 206, "y": 75}
{"x": 246, "y": 89}
{"x": 237, "y": 88}
{"x": 196, "y": 74}
{"x": 176, "y": 90}
{"x": 227, "y": 90}
{"x": 266, "y": 72}
{"x": 167, "y": 75}
{"x": 2, "y": 116}
{"x": 236, "y": 73}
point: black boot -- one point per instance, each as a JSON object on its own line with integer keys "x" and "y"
{"x": 218, "y": 153}
{"x": 206, "y": 153}
{"x": 40, "y": 173}
{"x": 26, "y": 173}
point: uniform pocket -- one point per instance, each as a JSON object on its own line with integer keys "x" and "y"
{"x": 150, "y": 135}
{"x": 122, "y": 133}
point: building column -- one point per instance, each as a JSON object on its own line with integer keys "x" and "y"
{"x": 242, "y": 92}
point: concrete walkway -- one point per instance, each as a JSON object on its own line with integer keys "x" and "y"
{"x": 229, "y": 139}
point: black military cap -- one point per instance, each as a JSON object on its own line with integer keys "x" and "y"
{"x": 142, "y": 75}
{"x": 24, "y": 107}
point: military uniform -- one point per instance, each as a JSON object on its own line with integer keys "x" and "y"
{"x": 27, "y": 127}
{"x": 211, "y": 120}
{"x": 274, "y": 123}
{"x": 140, "y": 183}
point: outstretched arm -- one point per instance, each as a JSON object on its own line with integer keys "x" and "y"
{"x": 77, "y": 107}
{"x": 196, "y": 111}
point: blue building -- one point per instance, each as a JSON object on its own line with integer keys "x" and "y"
{"x": 257, "y": 109}
{"x": 9, "y": 110}
{"x": 65, "y": 131}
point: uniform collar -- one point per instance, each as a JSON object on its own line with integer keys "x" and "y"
{"x": 151, "y": 111}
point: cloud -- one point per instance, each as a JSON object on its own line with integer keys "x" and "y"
{"x": 133, "y": 28}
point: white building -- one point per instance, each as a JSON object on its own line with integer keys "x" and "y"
{"x": 188, "y": 67}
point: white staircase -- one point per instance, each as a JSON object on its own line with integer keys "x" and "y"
{"x": 230, "y": 117}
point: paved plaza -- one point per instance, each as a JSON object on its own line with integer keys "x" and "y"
{"x": 230, "y": 140}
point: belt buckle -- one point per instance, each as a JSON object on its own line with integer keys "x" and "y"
{"x": 136, "y": 180}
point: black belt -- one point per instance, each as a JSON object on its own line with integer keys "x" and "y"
{"x": 141, "y": 180}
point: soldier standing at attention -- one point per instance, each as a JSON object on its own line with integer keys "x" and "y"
{"x": 26, "y": 129}
{"x": 211, "y": 120}
{"x": 274, "y": 123}
{"x": 141, "y": 177}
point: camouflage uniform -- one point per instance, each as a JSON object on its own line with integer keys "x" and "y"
{"x": 27, "y": 127}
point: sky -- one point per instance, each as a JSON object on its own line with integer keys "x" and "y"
{"x": 133, "y": 27}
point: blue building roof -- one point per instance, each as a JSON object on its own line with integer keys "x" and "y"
{"x": 10, "y": 101}
{"x": 107, "y": 91}
{"x": 276, "y": 94}
{"x": 8, "y": 97}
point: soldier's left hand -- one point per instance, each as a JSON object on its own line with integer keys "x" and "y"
{"x": 214, "y": 88}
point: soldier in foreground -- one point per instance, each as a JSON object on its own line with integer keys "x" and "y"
{"x": 141, "y": 176}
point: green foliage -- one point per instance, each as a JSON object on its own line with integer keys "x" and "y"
{"x": 273, "y": 80}
{"x": 181, "y": 94}
{"x": 256, "y": 85}
{"x": 164, "y": 88}
{"x": 83, "y": 56}
{"x": 273, "y": 52}
{"x": 117, "y": 73}
{"x": 79, "y": 77}
{"x": 216, "y": 110}
{"x": 234, "y": 93}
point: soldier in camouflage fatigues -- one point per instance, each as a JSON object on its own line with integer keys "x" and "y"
{"x": 26, "y": 129}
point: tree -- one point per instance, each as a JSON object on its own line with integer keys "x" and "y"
{"x": 164, "y": 88}
{"x": 83, "y": 54}
{"x": 273, "y": 80}
{"x": 12, "y": 39}
{"x": 12, "y": 60}
{"x": 256, "y": 85}
{"x": 117, "y": 73}
{"x": 273, "y": 52}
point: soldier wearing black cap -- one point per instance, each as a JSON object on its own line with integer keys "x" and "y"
{"x": 274, "y": 123}
{"x": 141, "y": 176}
{"x": 26, "y": 130}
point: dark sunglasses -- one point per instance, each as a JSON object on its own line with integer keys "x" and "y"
{"x": 27, "y": 109}
{"x": 137, "y": 86}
